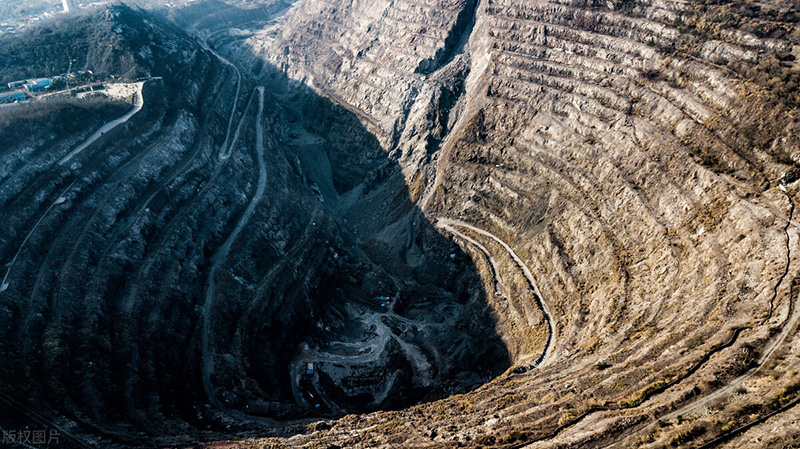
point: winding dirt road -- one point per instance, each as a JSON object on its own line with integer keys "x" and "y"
{"x": 219, "y": 258}
{"x": 546, "y": 357}
{"x": 227, "y": 146}
{"x": 137, "y": 106}
{"x": 142, "y": 273}
{"x": 60, "y": 200}
{"x": 498, "y": 283}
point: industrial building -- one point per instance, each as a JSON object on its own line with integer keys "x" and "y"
{"x": 13, "y": 95}
{"x": 37, "y": 84}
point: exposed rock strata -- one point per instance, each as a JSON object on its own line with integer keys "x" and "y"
{"x": 230, "y": 257}
{"x": 630, "y": 153}
{"x": 622, "y": 176}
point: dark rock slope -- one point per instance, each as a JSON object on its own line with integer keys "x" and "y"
{"x": 237, "y": 255}
{"x": 638, "y": 158}
{"x": 440, "y": 223}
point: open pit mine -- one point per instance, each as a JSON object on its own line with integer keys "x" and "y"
{"x": 401, "y": 224}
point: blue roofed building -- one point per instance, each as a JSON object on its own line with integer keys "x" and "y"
{"x": 37, "y": 84}
{"x": 13, "y": 95}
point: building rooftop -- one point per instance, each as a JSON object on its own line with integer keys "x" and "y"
{"x": 13, "y": 93}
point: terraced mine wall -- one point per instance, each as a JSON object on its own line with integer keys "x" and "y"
{"x": 235, "y": 255}
{"x": 634, "y": 158}
{"x": 430, "y": 224}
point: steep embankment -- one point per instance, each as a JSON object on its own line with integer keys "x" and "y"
{"x": 630, "y": 154}
{"x": 75, "y": 232}
{"x": 200, "y": 264}
{"x": 547, "y": 223}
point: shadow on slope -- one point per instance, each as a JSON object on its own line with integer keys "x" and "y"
{"x": 397, "y": 315}
{"x": 337, "y": 296}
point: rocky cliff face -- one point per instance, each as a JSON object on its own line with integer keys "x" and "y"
{"x": 538, "y": 224}
{"x": 638, "y": 158}
{"x": 221, "y": 258}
